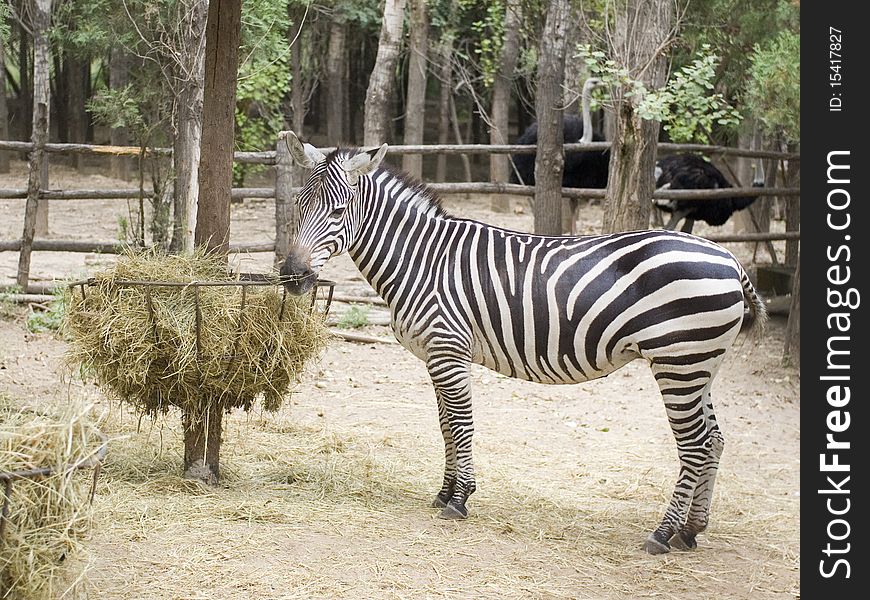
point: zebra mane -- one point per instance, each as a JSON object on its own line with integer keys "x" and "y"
{"x": 418, "y": 193}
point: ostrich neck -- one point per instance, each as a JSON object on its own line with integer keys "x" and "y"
{"x": 587, "y": 115}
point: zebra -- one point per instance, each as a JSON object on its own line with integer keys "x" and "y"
{"x": 553, "y": 310}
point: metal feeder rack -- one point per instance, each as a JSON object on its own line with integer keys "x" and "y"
{"x": 322, "y": 290}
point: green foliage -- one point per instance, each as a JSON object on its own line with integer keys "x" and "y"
{"x": 354, "y": 318}
{"x": 733, "y": 28}
{"x": 774, "y": 89}
{"x": 264, "y": 77}
{"x": 487, "y": 23}
{"x": 4, "y": 23}
{"x": 118, "y": 108}
{"x": 51, "y": 319}
{"x": 687, "y": 106}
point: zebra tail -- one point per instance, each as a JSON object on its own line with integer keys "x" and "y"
{"x": 755, "y": 317}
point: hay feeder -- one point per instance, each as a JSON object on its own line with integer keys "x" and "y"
{"x": 201, "y": 372}
{"x": 159, "y": 331}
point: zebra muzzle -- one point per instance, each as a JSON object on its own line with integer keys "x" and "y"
{"x": 296, "y": 274}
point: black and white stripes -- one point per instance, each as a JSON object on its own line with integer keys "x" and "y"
{"x": 544, "y": 309}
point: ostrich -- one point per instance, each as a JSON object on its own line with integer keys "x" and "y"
{"x": 584, "y": 169}
{"x": 692, "y": 172}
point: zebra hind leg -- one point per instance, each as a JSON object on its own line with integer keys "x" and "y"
{"x": 450, "y": 377}
{"x": 684, "y": 388}
{"x": 449, "y": 484}
{"x": 699, "y": 511}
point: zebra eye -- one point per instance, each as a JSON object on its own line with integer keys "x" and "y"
{"x": 337, "y": 213}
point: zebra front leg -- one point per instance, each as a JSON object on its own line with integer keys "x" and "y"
{"x": 449, "y": 484}
{"x": 450, "y": 376}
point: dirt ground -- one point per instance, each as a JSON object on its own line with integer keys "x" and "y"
{"x": 329, "y": 497}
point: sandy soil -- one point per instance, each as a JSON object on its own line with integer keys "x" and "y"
{"x": 328, "y": 498}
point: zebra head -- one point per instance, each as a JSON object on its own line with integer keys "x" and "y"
{"x": 328, "y": 213}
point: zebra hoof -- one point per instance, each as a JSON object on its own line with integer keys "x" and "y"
{"x": 684, "y": 541}
{"x": 453, "y": 512}
{"x": 654, "y": 546}
{"x": 438, "y": 502}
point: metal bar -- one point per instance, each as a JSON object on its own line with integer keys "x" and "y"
{"x": 150, "y": 306}
{"x": 4, "y": 514}
{"x": 198, "y": 321}
{"x": 240, "y": 331}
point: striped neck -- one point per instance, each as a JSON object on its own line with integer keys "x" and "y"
{"x": 397, "y": 216}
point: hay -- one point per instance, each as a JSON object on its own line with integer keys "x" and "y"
{"x": 140, "y": 342}
{"x": 40, "y": 553}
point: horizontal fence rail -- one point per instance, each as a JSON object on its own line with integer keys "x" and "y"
{"x": 284, "y": 189}
{"x": 111, "y": 247}
{"x": 268, "y": 157}
{"x": 441, "y": 188}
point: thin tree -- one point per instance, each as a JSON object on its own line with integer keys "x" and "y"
{"x": 36, "y": 210}
{"x": 499, "y": 164}
{"x": 643, "y": 31}
{"x": 202, "y": 432}
{"x": 188, "y": 74}
{"x": 4, "y": 108}
{"x": 376, "y": 125}
{"x": 550, "y": 158}
{"x": 792, "y": 350}
{"x": 119, "y": 65}
{"x": 415, "y": 105}
{"x": 336, "y": 80}
{"x": 445, "y": 84}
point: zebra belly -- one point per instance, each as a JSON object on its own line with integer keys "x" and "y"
{"x": 550, "y": 369}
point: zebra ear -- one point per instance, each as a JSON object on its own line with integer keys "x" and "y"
{"x": 305, "y": 155}
{"x": 364, "y": 162}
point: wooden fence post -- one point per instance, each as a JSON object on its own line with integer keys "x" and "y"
{"x": 34, "y": 188}
{"x": 285, "y": 205}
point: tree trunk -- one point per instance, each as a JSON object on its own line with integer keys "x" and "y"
{"x": 792, "y": 351}
{"x": 119, "y": 63}
{"x": 24, "y": 110}
{"x": 289, "y": 211}
{"x": 415, "y": 108}
{"x": 336, "y": 84}
{"x": 4, "y": 108}
{"x": 445, "y": 77}
{"x": 745, "y": 172}
{"x": 643, "y": 28}
{"x": 34, "y": 186}
{"x": 188, "y": 134}
{"x": 39, "y": 25}
{"x": 297, "y": 87}
{"x": 76, "y": 113}
{"x": 218, "y": 125}
{"x": 499, "y": 164}
{"x": 376, "y": 127}
{"x": 202, "y": 437}
{"x": 793, "y": 208}
{"x": 202, "y": 442}
{"x": 550, "y": 158}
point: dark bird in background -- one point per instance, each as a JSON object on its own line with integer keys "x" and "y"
{"x": 585, "y": 169}
{"x": 693, "y": 172}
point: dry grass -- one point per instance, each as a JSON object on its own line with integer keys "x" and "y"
{"x": 316, "y": 510}
{"x": 49, "y": 517}
{"x": 141, "y": 342}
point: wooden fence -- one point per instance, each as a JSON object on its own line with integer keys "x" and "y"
{"x": 283, "y": 191}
